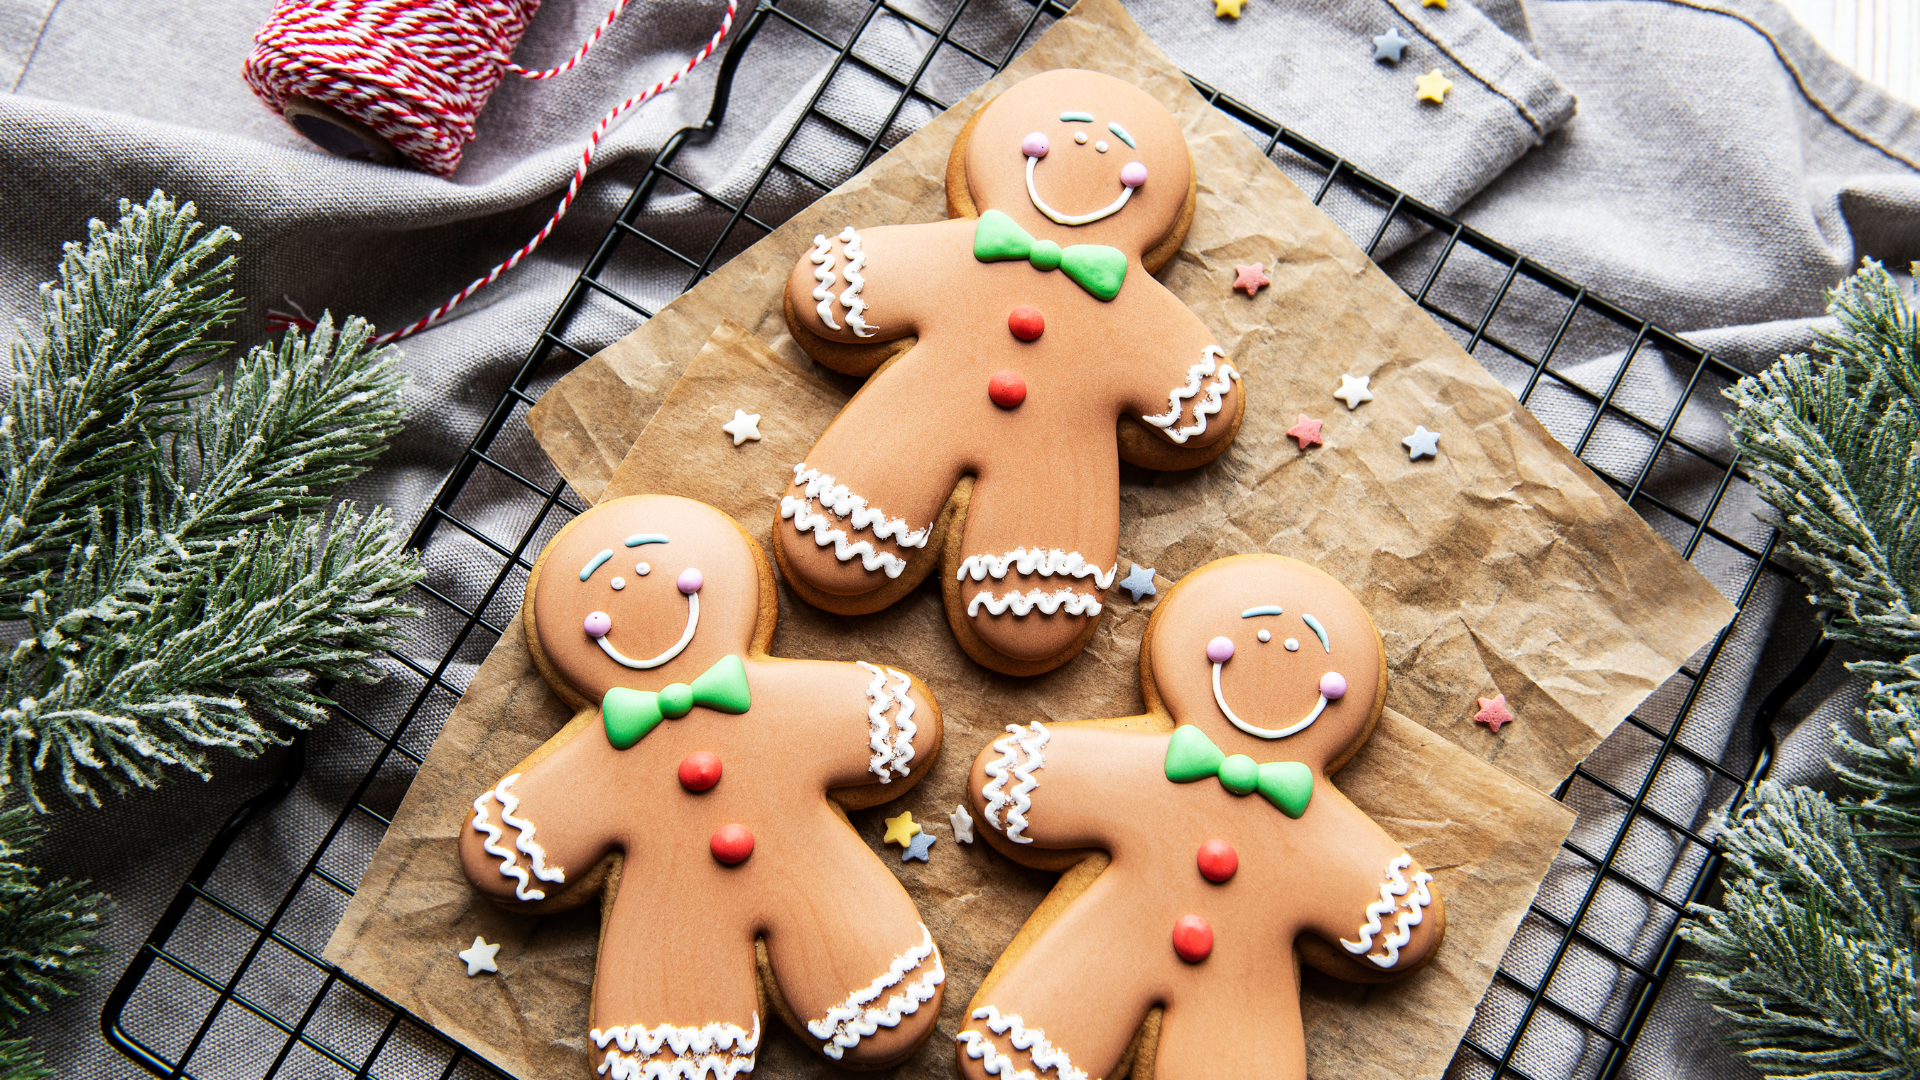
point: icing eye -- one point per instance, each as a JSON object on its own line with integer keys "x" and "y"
{"x": 1333, "y": 686}
{"x": 1264, "y": 635}
{"x": 1034, "y": 145}
{"x": 620, "y": 583}
{"x": 1133, "y": 174}
{"x": 1102, "y": 146}
{"x": 642, "y": 569}
{"x": 1220, "y": 650}
{"x": 690, "y": 581}
{"x": 1293, "y": 644}
{"x": 1080, "y": 137}
{"x": 597, "y": 624}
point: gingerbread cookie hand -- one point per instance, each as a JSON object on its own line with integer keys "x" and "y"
{"x": 1043, "y": 349}
{"x": 703, "y": 773}
{"x": 1229, "y": 844}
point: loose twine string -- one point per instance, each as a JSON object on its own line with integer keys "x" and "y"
{"x": 417, "y": 72}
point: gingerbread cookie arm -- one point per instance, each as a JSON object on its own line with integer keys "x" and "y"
{"x": 1179, "y": 381}
{"x": 866, "y": 286}
{"x": 1375, "y": 906}
{"x": 534, "y": 837}
{"x": 873, "y": 728}
{"x": 1053, "y": 787}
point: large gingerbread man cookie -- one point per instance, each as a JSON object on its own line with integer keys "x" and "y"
{"x": 700, "y": 789}
{"x": 1017, "y": 354}
{"x": 1229, "y": 846}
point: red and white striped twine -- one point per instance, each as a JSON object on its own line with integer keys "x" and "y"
{"x": 417, "y": 72}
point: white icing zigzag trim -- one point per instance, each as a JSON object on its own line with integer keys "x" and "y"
{"x": 1043, "y": 1054}
{"x": 509, "y": 866}
{"x": 1045, "y": 563}
{"x": 1203, "y": 408}
{"x": 822, "y": 256}
{"x": 856, "y": 259}
{"x": 1017, "y": 802}
{"x": 850, "y": 1021}
{"x": 890, "y": 756}
{"x": 842, "y": 503}
{"x": 696, "y": 1050}
{"x": 1023, "y": 603}
{"x": 1390, "y": 892}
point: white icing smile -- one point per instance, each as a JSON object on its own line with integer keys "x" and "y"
{"x": 599, "y": 625}
{"x": 1260, "y": 732}
{"x": 1040, "y": 204}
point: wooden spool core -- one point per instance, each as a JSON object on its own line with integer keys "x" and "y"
{"x": 337, "y": 133}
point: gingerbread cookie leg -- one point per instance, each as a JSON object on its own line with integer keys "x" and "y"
{"x": 1252, "y": 1029}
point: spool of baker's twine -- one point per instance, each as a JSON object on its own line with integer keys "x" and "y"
{"x": 383, "y": 80}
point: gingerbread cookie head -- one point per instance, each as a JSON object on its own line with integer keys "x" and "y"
{"x": 642, "y": 592}
{"x": 1112, "y": 164}
{"x": 1269, "y": 656}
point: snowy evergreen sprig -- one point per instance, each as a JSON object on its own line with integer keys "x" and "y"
{"x": 47, "y": 931}
{"x": 1885, "y": 766}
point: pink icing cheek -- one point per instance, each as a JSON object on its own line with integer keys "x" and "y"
{"x": 1333, "y": 686}
{"x": 1133, "y": 174}
{"x": 1035, "y": 145}
{"x": 690, "y": 581}
{"x": 1220, "y": 650}
{"x": 597, "y": 624}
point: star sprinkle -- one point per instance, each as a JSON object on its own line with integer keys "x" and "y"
{"x": 1389, "y": 46}
{"x": 918, "y": 849}
{"x": 900, "y": 829}
{"x": 479, "y": 957}
{"x": 962, "y": 824}
{"x": 1307, "y": 431}
{"x": 1441, "y": 4}
{"x": 1353, "y": 390}
{"x": 1422, "y": 443}
{"x": 1493, "y": 712}
{"x": 1139, "y": 582}
{"x": 1251, "y": 278}
{"x": 1229, "y": 8}
{"x": 744, "y": 425}
{"x": 1433, "y": 87}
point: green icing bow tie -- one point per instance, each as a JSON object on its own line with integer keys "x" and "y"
{"x": 630, "y": 714}
{"x": 1097, "y": 268}
{"x": 1192, "y": 756}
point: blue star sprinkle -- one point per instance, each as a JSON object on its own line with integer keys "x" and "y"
{"x": 1139, "y": 582}
{"x": 918, "y": 848}
{"x": 1388, "y": 46}
{"x": 1422, "y": 443}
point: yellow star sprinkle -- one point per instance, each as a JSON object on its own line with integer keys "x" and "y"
{"x": 900, "y": 829}
{"x": 1441, "y": 4}
{"x": 1227, "y": 7}
{"x": 1433, "y": 87}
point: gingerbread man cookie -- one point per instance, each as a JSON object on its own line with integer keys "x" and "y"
{"x": 708, "y": 778}
{"x": 1229, "y": 846}
{"x": 1017, "y": 354}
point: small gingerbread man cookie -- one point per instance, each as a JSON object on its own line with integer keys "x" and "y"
{"x": 1228, "y": 844}
{"x": 1017, "y": 354}
{"x": 709, "y": 778}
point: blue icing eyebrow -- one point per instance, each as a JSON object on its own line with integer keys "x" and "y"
{"x": 1121, "y": 133}
{"x": 644, "y": 538}
{"x": 1318, "y": 631}
{"x": 1266, "y": 609}
{"x": 1070, "y": 117}
{"x": 595, "y": 563}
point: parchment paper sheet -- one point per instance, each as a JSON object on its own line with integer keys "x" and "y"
{"x": 1505, "y": 565}
{"x": 1487, "y": 837}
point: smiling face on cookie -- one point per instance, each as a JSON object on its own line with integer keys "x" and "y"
{"x": 1270, "y": 657}
{"x": 642, "y": 592}
{"x": 1084, "y": 151}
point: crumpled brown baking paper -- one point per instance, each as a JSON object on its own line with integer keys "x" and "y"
{"x": 1504, "y": 566}
{"x": 1486, "y": 837}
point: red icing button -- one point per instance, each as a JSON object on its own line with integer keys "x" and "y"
{"x": 1026, "y": 323}
{"x": 733, "y": 843}
{"x": 1192, "y": 938}
{"x": 1006, "y": 389}
{"x": 1218, "y": 860}
{"x": 700, "y": 771}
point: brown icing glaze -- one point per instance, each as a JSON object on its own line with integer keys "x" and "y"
{"x": 1098, "y": 958}
{"x": 1045, "y": 474}
{"x": 678, "y": 948}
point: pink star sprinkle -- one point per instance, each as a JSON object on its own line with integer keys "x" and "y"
{"x": 1251, "y": 278}
{"x": 1493, "y": 712}
{"x": 1307, "y": 430}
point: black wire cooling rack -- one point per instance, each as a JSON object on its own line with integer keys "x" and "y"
{"x": 1571, "y": 980}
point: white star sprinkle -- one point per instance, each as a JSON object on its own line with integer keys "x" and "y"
{"x": 1422, "y": 443}
{"x": 744, "y": 425}
{"x": 962, "y": 824}
{"x": 479, "y": 957}
{"x": 1354, "y": 390}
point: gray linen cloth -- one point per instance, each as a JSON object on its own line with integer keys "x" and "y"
{"x": 1718, "y": 173}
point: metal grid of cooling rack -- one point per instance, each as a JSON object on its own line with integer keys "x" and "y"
{"x": 326, "y": 1025}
